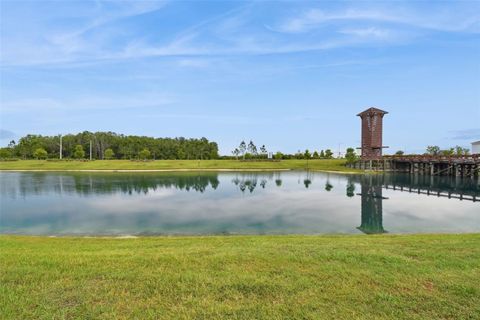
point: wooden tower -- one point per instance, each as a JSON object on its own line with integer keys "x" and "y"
{"x": 372, "y": 133}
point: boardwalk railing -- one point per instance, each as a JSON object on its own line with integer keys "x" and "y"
{"x": 465, "y": 165}
{"x": 471, "y": 159}
{"x": 438, "y": 193}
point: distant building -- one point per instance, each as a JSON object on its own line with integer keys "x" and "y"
{"x": 372, "y": 133}
{"x": 476, "y": 147}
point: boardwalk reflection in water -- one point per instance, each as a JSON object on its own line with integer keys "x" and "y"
{"x": 235, "y": 203}
{"x": 373, "y": 185}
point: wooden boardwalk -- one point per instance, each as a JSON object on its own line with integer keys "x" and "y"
{"x": 464, "y": 166}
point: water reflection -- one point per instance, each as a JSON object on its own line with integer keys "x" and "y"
{"x": 93, "y": 184}
{"x": 350, "y": 188}
{"x": 205, "y": 203}
{"x": 372, "y": 204}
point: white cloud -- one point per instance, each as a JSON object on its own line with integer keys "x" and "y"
{"x": 48, "y": 41}
{"x": 85, "y": 103}
{"x": 313, "y": 18}
{"x": 234, "y": 32}
{"x": 461, "y": 21}
{"x": 466, "y": 134}
{"x": 367, "y": 32}
{"x": 240, "y": 45}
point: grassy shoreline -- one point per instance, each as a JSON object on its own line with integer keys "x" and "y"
{"x": 241, "y": 277}
{"x": 335, "y": 165}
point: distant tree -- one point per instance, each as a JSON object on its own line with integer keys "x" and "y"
{"x": 322, "y": 154}
{"x": 328, "y": 154}
{"x": 307, "y": 154}
{"x": 263, "y": 151}
{"x": 78, "y": 152}
{"x": 243, "y": 148}
{"x": 433, "y": 150}
{"x": 460, "y": 151}
{"x": 236, "y": 152}
{"x": 40, "y": 153}
{"x": 448, "y": 152}
{"x": 299, "y": 155}
{"x": 109, "y": 154}
{"x": 11, "y": 144}
{"x": 5, "y": 153}
{"x": 181, "y": 154}
{"x": 278, "y": 155}
{"x": 144, "y": 154}
{"x": 252, "y": 148}
{"x": 316, "y": 155}
{"x": 399, "y": 153}
{"x": 350, "y": 155}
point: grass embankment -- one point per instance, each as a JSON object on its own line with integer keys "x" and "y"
{"x": 244, "y": 277}
{"x": 326, "y": 165}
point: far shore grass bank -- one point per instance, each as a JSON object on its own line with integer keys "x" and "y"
{"x": 336, "y": 165}
{"x": 241, "y": 277}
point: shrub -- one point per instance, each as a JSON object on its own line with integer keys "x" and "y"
{"x": 40, "y": 153}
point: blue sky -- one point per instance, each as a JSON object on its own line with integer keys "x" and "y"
{"x": 291, "y": 75}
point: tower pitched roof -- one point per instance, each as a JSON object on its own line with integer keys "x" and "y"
{"x": 372, "y": 110}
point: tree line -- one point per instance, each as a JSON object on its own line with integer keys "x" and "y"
{"x": 437, "y": 151}
{"x": 109, "y": 145}
{"x": 455, "y": 151}
{"x": 251, "y": 151}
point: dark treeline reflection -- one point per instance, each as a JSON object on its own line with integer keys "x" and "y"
{"x": 98, "y": 183}
{"x": 94, "y": 184}
{"x": 250, "y": 181}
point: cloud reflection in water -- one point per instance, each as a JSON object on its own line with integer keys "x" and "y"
{"x": 231, "y": 203}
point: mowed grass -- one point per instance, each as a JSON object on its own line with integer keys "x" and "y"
{"x": 328, "y": 165}
{"x": 241, "y": 277}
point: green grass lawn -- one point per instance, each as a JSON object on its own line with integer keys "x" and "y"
{"x": 241, "y": 277}
{"x": 329, "y": 165}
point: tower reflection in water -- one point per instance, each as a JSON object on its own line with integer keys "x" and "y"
{"x": 372, "y": 205}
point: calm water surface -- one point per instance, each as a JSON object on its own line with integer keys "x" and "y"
{"x": 235, "y": 203}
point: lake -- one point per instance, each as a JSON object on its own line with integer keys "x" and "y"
{"x": 204, "y": 203}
